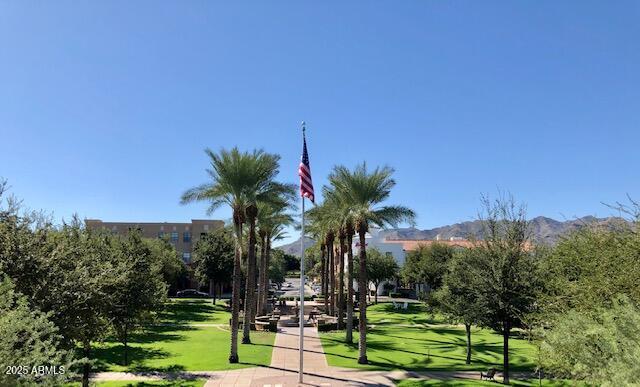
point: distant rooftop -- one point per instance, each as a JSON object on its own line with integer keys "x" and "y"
{"x": 165, "y": 222}
{"x": 414, "y": 244}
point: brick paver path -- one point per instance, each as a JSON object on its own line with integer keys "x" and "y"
{"x": 285, "y": 351}
{"x": 283, "y": 370}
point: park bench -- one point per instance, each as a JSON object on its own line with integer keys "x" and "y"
{"x": 489, "y": 375}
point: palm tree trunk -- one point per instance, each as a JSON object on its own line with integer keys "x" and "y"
{"x": 332, "y": 280}
{"x": 323, "y": 269}
{"x": 341, "y": 285}
{"x": 254, "y": 301}
{"x": 267, "y": 261}
{"x": 261, "y": 275}
{"x": 235, "y": 292}
{"x": 349, "y": 338}
{"x": 375, "y": 293}
{"x": 250, "y": 288}
{"x": 362, "y": 299}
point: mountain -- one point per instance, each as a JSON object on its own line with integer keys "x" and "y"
{"x": 293, "y": 248}
{"x": 544, "y": 230}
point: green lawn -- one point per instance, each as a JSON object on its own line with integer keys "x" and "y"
{"x": 173, "y": 383}
{"x": 180, "y": 344}
{"x": 414, "y": 340}
{"x": 194, "y": 311}
{"x": 473, "y": 383}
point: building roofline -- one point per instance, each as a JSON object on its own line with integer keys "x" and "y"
{"x": 163, "y": 222}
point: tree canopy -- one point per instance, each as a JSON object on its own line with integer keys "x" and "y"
{"x": 213, "y": 257}
{"x": 427, "y": 264}
{"x": 380, "y": 267}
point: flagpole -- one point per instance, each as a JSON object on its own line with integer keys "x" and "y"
{"x": 301, "y": 313}
{"x": 302, "y": 283}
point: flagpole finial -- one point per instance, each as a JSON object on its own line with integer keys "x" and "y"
{"x": 304, "y": 128}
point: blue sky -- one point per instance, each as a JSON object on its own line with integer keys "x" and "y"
{"x": 105, "y": 108}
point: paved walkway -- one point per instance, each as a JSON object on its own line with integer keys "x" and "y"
{"x": 283, "y": 370}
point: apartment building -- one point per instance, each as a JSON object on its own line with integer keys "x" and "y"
{"x": 181, "y": 235}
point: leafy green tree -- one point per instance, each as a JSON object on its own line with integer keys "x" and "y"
{"x": 590, "y": 267}
{"x": 81, "y": 277}
{"x": 312, "y": 261}
{"x": 457, "y": 298}
{"x": 22, "y": 239}
{"x": 505, "y": 269}
{"x": 588, "y": 304}
{"x": 66, "y": 273}
{"x": 427, "y": 264}
{"x": 277, "y": 266}
{"x": 291, "y": 262}
{"x": 601, "y": 347}
{"x": 139, "y": 287}
{"x": 213, "y": 258}
{"x": 380, "y": 267}
{"x": 29, "y": 340}
{"x": 173, "y": 269}
{"x": 363, "y": 192}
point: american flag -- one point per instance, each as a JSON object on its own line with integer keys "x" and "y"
{"x": 304, "y": 171}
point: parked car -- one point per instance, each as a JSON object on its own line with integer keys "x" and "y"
{"x": 191, "y": 293}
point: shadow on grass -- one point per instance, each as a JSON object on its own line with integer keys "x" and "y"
{"x": 105, "y": 357}
{"x": 484, "y": 354}
{"x": 189, "y": 310}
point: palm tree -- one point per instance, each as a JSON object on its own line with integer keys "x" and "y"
{"x": 317, "y": 230}
{"x": 326, "y": 218}
{"x": 269, "y": 192}
{"x": 318, "y": 227}
{"x": 331, "y": 237}
{"x": 363, "y": 192}
{"x": 350, "y": 232}
{"x": 342, "y": 212}
{"x": 341, "y": 239}
{"x": 239, "y": 180}
{"x": 272, "y": 218}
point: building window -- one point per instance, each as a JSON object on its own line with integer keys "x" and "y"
{"x": 186, "y": 257}
{"x": 161, "y": 234}
{"x": 186, "y": 237}
{"x": 174, "y": 236}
